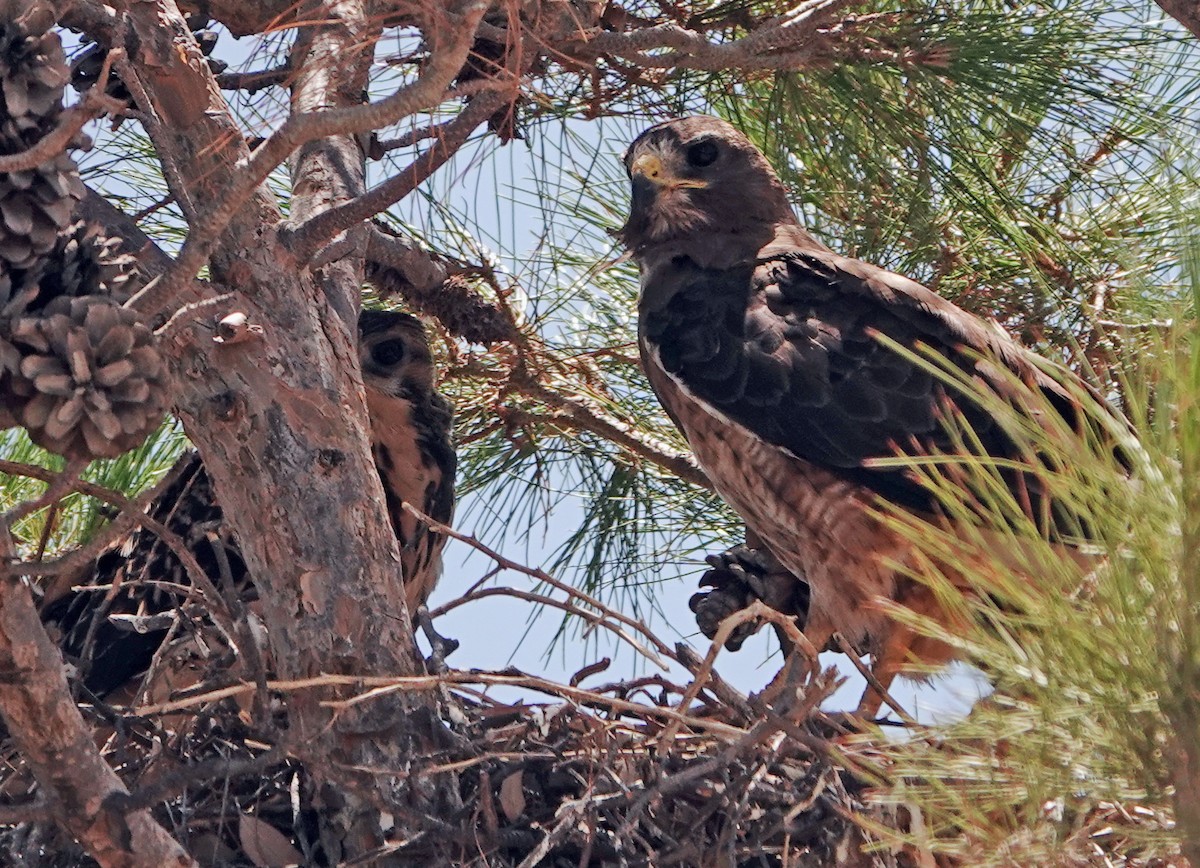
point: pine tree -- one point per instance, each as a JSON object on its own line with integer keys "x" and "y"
{"x": 288, "y": 163}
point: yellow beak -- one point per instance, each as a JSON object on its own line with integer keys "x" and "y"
{"x": 651, "y": 168}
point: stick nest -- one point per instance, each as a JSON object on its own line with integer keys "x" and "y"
{"x": 614, "y": 774}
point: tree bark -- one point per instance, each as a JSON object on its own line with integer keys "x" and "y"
{"x": 332, "y": 58}
{"x": 281, "y": 422}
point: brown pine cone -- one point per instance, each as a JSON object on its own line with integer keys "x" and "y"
{"x": 33, "y": 72}
{"x": 84, "y": 261}
{"x": 36, "y": 204}
{"x": 14, "y": 300}
{"x": 93, "y": 382}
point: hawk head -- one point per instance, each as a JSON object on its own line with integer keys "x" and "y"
{"x": 701, "y": 189}
{"x": 394, "y": 354}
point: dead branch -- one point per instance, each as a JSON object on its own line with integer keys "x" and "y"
{"x": 95, "y": 103}
{"x": 594, "y": 619}
{"x": 59, "y": 485}
{"x": 576, "y": 413}
{"x": 755, "y": 611}
{"x": 173, "y": 172}
{"x": 542, "y": 576}
{"x": 417, "y": 268}
{"x": 872, "y": 681}
{"x": 255, "y": 80}
{"x": 396, "y": 266}
{"x": 134, "y": 509}
{"x": 793, "y": 40}
{"x": 152, "y": 259}
{"x": 377, "y": 687}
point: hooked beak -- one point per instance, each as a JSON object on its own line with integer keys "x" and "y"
{"x": 650, "y": 168}
{"x": 649, "y": 178}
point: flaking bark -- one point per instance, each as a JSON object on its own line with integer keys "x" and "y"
{"x": 281, "y": 423}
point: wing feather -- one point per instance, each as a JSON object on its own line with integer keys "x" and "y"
{"x": 788, "y": 350}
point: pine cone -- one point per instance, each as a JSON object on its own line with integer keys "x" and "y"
{"x": 14, "y": 301}
{"x": 84, "y": 261}
{"x": 15, "y": 297}
{"x": 35, "y": 205}
{"x": 33, "y": 72}
{"x": 93, "y": 381}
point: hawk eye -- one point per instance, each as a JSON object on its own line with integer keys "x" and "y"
{"x": 703, "y": 153}
{"x": 388, "y": 353}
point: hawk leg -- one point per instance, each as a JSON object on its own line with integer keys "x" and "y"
{"x": 738, "y": 577}
{"x": 888, "y": 663}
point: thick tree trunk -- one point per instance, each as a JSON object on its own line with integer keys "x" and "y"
{"x": 281, "y": 421}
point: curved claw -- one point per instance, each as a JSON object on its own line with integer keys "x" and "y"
{"x": 738, "y": 577}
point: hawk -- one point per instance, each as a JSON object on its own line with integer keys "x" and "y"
{"x": 761, "y": 344}
{"x": 115, "y": 637}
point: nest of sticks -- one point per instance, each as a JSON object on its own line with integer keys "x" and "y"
{"x": 633, "y": 772}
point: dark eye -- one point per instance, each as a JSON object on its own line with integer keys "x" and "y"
{"x": 702, "y": 154}
{"x": 388, "y": 353}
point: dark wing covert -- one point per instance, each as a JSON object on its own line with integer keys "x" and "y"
{"x": 787, "y": 351}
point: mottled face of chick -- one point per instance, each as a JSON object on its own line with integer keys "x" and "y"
{"x": 699, "y": 178}
{"x": 410, "y": 440}
{"x": 394, "y": 354}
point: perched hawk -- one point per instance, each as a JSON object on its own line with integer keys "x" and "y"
{"x": 410, "y": 439}
{"x": 760, "y": 342}
{"x": 114, "y": 637}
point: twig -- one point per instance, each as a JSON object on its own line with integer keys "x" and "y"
{"x": 1147, "y": 326}
{"x": 873, "y": 681}
{"x": 378, "y": 686}
{"x": 255, "y": 80}
{"x": 790, "y": 41}
{"x": 306, "y": 239}
{"x": 93, "y": 104}
{"x": 541, "y": 576}
{"x": 378, "y": 148}
{"x": 439, "y": 646}
{"x": 593, "y": 618}
{"x": 421, "y": 269}
{"x": 179, "y": 779}
{"x": 398, "y": 266}
{"x": 59, "y": 485}
{"x": 152, "y": 259}
{"x": 168, "y": 537}
{"x": 48, "y": 727}
{"x": 755, "y": 610}
{"x": 154, "y": 128}
{"x": 187, "y": 314}
{"x": 566, "y": 817}
{"x": 428, "y": 90}
{"x": 247, "y": 642}
{"x": 719, "y": 686}
{"x": 576, "y": 413}
{"x": 153, "y": 207}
